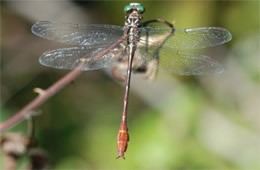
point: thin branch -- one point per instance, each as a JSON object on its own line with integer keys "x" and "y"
{"x": 42, "y": 97}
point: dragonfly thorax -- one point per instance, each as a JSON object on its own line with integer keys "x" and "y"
{"x": 133, "y": 20}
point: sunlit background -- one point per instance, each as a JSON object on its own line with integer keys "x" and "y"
{"x": 175, "y": 122}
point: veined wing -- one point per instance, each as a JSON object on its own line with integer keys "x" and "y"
{"x": 78, "y": 34}
{"x": 179, "y": 62}
{"x": 70, "y": 58}
{"x": 189, "y": 38}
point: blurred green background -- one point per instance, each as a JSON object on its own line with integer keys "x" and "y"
{"x": 205, "y": 122}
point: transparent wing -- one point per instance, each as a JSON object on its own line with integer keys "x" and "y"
{"x": 69, "y": 58}
{"x": 181, "y": 63}
{"x": 189, "y": 38}
{"x": 78, "y": 34}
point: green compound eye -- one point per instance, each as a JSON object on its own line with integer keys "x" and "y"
{"x": 128, "y": 8}
{"x": 140, "y": 8}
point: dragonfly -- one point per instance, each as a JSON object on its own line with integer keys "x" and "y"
{"x": 141, "y": 45}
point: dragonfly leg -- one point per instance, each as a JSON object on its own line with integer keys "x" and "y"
{"x": 152, "y": 68}
{"x": 119, "y": 71}
{"x": 158, "y": 21}
{"x": 149, "y": 70}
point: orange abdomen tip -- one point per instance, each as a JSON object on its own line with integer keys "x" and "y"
{"x": 122, "y": 140}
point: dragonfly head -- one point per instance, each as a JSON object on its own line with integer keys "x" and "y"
{"x": 133, "y": 11}
{"x": 134, "y": 7}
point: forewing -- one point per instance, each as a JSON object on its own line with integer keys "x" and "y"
{"x": 189, "y": 38}
{"x": 78, "y": 34}
{"x": 70, "y": 58}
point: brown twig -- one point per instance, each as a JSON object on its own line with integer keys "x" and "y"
{"x": 42, "y": 97}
